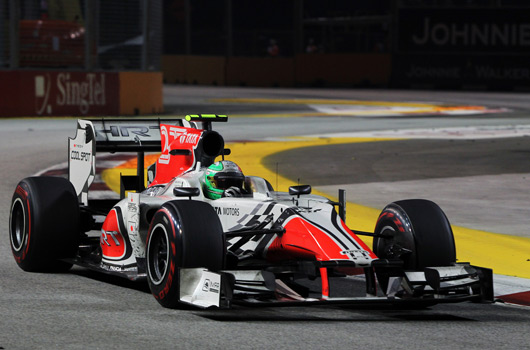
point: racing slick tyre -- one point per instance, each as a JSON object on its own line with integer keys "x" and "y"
{"x": 182, "y": 234}
{"x": 418, "y": 233}
{"x": 44, "y": 224}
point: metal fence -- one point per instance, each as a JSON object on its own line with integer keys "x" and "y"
{"x": 275, "y": 27}
{"x": 81, "y": 34}
{"x": 4, "y": 37}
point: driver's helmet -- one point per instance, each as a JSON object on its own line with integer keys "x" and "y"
{"x": 220, "y": 176}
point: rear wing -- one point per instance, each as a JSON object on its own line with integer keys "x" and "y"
{"x": 132, "y": 135}
{"x": 120, "y": 135}
{"x": 142, "y": 135}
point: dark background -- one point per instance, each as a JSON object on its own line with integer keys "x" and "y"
{"x": 471, "y": 44}
{"x": 474, "y": 44}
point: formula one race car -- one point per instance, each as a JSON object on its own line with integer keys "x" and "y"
{"x": 204, "y": 234}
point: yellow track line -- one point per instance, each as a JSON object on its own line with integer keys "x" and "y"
{"x": 507, "y": 255}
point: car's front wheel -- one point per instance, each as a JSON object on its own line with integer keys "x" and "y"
{"x": 182, "y": 234}
{"x": 415, "y": 231}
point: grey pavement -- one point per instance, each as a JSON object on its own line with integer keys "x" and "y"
{"x": 80, "y": 310}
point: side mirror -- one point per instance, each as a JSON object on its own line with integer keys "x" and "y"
{"x": 226, "y": 152}
{"x": 299, "y": 190}
{"x": 186, "y": 192}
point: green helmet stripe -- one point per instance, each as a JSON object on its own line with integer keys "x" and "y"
{"x": 218, "y": 166}
{"x": 214, "y": 193}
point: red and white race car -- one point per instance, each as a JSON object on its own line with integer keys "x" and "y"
{"x": 204, "y": 234}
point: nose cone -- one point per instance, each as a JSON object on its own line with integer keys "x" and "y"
{"x": 321, "y": 236}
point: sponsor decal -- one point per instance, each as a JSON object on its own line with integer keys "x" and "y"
{"x": 206, "y": 285}
{"x": 42, "y": 94}
{"x": 112, "y": 242}
{"x": 60, "y": 93}
{"x": 82, "y": 156}
{"x": 466, "y": 30}
{"x": 472, "y": 34}
{"x": 114, "y": 268}
{"x": 227, "y": 211}
{"x": 83, "y": 93}
{"x": 177, "y": 136}
{"x": 68, "y": 89}
{"x": 211, "y": 286}
{"x": 127, "y": 131}
{"x": 21, "y": 192}
{"x": 82, "y": 167}
{"x": 356, "y": 254}
{"x": 133, "y": 224}
{"x": 169, "y": 282}
{"x": 207, "y": 291}
{"x": 105, "y": 236}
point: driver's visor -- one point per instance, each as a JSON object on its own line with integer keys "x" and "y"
{"x": 227, "y": 180}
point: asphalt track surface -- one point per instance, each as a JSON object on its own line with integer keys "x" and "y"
{"x": 379, "y": 172}
{"x": 80, "y": 309}
{"x": 403, "y": 160}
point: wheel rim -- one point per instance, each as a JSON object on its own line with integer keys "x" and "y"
{"x": 158, "y": 254}
{"x": 17, "y": 225}
{"x": 383, "y": 244}
{"x": 400, "y": 243}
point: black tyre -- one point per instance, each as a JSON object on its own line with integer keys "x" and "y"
{"x": 44, "y": 224}
{"x": 183, "y": 233}
{"x": 419, "y": 234}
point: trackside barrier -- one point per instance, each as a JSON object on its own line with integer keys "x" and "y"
{"x": 346, "y": 70}
{"x": 141, "y": 93}
{"x": 56, "y": 93}
{"x": 201, "y": 70}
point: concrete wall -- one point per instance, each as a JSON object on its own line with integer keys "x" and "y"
{"x": 346, "y": 70}
{"x": 78, "y": 93}
{"x": 202, "y": 70}
{"x": 255, "y": 71}
{"x": 141, "y": 93}
{"x": 343, "y": 70}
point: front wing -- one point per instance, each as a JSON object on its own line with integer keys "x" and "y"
{"x": 459, "y": 283}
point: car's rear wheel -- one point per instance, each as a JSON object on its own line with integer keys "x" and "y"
{"x": 182, "y": 234}
{"x": 417, "y": 232}
{"x": 44, "y": 224}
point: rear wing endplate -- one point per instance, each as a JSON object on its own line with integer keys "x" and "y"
{"x": 111, "y": 135}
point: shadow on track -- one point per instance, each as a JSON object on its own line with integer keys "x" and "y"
{"x": 140, "y": 286}
{"x": 319, "y": 314}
